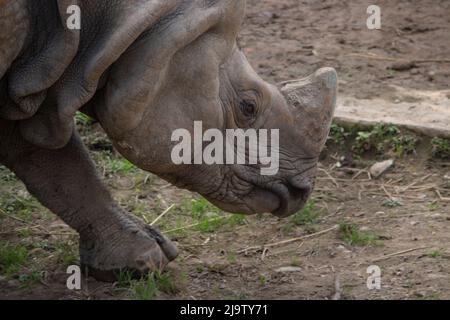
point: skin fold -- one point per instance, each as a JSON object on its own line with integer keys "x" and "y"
{"x": 144, "y": 68}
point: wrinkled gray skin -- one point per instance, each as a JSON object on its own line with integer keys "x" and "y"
{"x": 144, "y": 68}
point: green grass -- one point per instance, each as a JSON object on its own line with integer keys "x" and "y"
{"x": 12, "y": 257}
{"x": 147, "y": 287}
{"x": 308, "y": 215}
{"x": 381, "y": 139}
{"x": 6, "y": 175}
{"x": 67, "y": 253}
{"x": 352, "y": 235}
{"x": 441, "y": 148}
{"x": 435, "y": 254}
{"x": 118, "y": 165}
{"x": 28, "y": 279}
{"x": 391, "y": 203}
{"x": 338, "y": 134}
{"x": 82, "y": 119}
{"x": 208, "y": 217}
{"x": 20, "y": 207}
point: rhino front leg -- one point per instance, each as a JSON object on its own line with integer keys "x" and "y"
{"x": 65, "y": 181}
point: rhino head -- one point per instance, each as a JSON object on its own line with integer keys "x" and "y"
{"x": 190, "y": 69}
{"x": 146, "y": 69}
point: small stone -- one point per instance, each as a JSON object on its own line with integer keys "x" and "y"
{"x": 381, "y": 167}
{"x": 403, "y": 66}
{"x": 289, "y": 269}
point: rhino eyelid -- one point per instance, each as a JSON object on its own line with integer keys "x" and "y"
{"x": 249, "y": 108}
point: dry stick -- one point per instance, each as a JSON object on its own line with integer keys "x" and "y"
{"x": 374, "y": 57}
{"x": 23, "y": 221}
{"x": 162, "y": 214}
{"x": 399, "y": 253}
{"x": 337, "y": 287}
{"x": 387, "y": 193}
{"x": 331, "y": 177}
{"x": 289, "y": 240}
{"x": 440, "y": 196}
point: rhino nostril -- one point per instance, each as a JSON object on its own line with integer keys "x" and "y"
{"x": 299, "y": 189}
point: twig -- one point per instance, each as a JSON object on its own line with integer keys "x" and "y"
{"x": 337, "y": 289}
{"x": 387, "y": 193}
{"x": 331, "y": 177}
{"x": 395, "y": 254}
{"x": 288, "y": 241}
{"x": 376, "y": 57}
{"x": 162, "y": 214}
{"x": 440, "y": 196}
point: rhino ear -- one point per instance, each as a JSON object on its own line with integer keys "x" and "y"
{"x": 107, "y": 31}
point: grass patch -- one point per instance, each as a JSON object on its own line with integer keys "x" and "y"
{"x": 67, "y": 253}
{"x": 118, "y": 165}
{"x": 352, "y": 235}
{"x": 441, "y": 148}
{"x": 30, "y": 278}
{"x": 12, "y": 257}
{"x": 147, "y": 287}
{"x": 435, "y": 254}
{"x": 391, "y": 203}
{"x": 6, "y": 175}
{"x": 82, "y": 119}
{"x": 20, "y": 207}
{"x": 208, "y": 217}
{"x": 381, "y": 139}
{"x": 308, "y": 215}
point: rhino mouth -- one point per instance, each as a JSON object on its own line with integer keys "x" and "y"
{"x": 292, "y": 197}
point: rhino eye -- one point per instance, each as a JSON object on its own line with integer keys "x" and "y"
{"x": 248, "y": 108}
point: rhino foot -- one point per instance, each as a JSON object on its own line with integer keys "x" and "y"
{"x": 132, "y": 246}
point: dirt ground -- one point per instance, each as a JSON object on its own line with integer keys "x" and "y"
{"x": 401, "y": 220}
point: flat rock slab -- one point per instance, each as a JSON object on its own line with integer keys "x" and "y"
{"x": 425, "y": 112}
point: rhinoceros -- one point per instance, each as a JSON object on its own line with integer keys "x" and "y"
{"x": 144, "y": 69}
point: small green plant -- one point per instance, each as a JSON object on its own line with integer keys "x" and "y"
{"x": 262, "y": 280}
{"x": 209, "y": 225}
{"x": 441, "y": 148}
{"x": 148, "y": 287}
{"x": 145, "y": 289}
{"x": 237, "y": 220}
{"x": 377, "y": 138}
{"x": 308, "y": 215}
{"x": 433, "y": 206}
{"x": 200, "y": 208}
{"x": 30, "y": 278}
{"x": 337, "y": 133}
{"x": 231, "y": 257}
{"x": 12, "y": 257}
{"x": 124, "y": 278}
{"x": 404, "y": 144}
{"x": 67, "y": 253}
{"x": 392, "y": 203}
{"x": 6, "y": 175}
{"x": 119, "y": 165}
{"x": 82, "y": 119}
{"x": 18, "y": 206}
{"x": 352, "y": 235}
{"x": 435, "y": 254}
